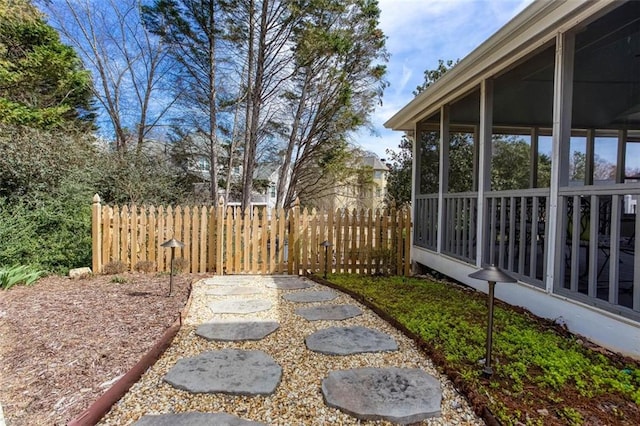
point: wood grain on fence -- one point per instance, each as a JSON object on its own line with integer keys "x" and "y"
{"x": 260, "y": 241}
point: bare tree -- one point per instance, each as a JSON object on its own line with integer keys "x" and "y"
{"x": 129, "y": 64}
{"x": 268, "y": 65}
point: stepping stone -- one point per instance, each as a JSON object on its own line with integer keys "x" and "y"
{"x": 195, "y": 419}
{"x": 329, "y": 312}
{"x": 311, "y": 296}
{"x": 230, "y": 371}
{"x": 225, "y": 281}
{"x": 350, "y": 340}
{"x": 398, "y": 395}
{"x": 235, "y": 291}
{"x": 237, "y": 330}
{"x": 240, "y": 306}
{"x": 289, "y": 284}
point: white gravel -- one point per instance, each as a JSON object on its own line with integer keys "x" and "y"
{"x": 298, "y": 398}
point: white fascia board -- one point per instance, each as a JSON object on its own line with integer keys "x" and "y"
{"x": 535, "y": 26}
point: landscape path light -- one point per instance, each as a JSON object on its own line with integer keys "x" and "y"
{"x": 326, "y": 244}
{"x": 173, "y": 243}
{"x": 492, "y": 274}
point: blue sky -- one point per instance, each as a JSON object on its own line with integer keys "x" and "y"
{"x": 419, "y": 32}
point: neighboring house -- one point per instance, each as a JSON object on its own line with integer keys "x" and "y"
{"x": 366, "y": 188}
{"x": 265, "y": 175}
{"x": 561, "y": 81}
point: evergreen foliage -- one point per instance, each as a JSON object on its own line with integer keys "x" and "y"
{"x": 42, "y": 82}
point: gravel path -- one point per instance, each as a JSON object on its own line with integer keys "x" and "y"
{"x": 298, "y": 398}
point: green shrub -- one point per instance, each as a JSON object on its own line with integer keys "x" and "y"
{"x": 118, "y": 280}
{"x": 17, "y": 275}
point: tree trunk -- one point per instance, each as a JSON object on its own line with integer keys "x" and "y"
{"x": 213, "y": 125}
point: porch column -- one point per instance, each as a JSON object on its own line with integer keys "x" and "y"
{"x": 622, "y": 146}
{"x": 561, "y": 134}
{"x": 484, "y": 163}
{"x": 533, "y": 158}
{"x": 588, "y": 169}
{"x": 443, "y": 185}
{"x": 416, "y": 178}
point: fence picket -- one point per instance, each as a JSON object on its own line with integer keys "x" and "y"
{"x": 195, "y": 238}
{"x": 227, "y": 256}
{"x": 115, "y": 247}
{"x": 151, "y": 232}
{"x": 125, "y": 235}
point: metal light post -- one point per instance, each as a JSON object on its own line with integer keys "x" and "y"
{"x": 326, "y": 244}
{"x": 492, "y": 274}
{"x": 173, "y": 243}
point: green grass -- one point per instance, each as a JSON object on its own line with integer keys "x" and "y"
{"x": 535, "y": 365}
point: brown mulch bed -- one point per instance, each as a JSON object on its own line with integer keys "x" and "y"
{"x": 63, "y": 342}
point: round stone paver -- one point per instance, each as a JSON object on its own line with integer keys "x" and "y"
{"x": 229, "y": 371}
{"x": 350, "y": 340}
{"x": 235, "y": 291}
{"x": 236, "y": 330}
{"x": 288, "y": 284}
{"x": 311, "y": 296}
{"x": 329, "y": 312}
{"x": 240, "y": 306}
{"x": 194, "y": 419}
{"x": 399, "y": 395}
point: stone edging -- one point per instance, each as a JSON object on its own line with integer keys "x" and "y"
{"x": 481, "y": 408}
{"x": 103, "y": 404}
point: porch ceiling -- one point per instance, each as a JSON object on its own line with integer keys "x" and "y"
{"x": 606, "y": 80}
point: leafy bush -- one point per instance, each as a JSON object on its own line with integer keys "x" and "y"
{"x": 17, "y": 275}
{"x": 53, "y": 235}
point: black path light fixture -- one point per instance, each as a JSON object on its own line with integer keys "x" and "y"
{"x": 326, "y": 244}
{"x": 173, "y": 243}
{"x": 493, "y": 275}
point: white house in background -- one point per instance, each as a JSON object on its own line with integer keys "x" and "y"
{"x": 366, "y": 189}
{"x": 267, "y": 173}
{"x": 562, "y": 77}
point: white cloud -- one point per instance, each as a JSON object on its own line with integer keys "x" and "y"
{"x": 421, "y": 32}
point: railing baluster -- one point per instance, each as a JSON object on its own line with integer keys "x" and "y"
{"x": 512, "y": 232}
{"x": 614, "y": 253}
{"x": 594, "y": 218}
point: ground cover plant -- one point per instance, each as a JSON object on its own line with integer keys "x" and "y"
{"x": 543, "y": 375}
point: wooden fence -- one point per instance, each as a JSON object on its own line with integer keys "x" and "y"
{"x": 259, "y": 242}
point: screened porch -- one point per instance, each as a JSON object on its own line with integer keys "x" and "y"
{"x": 551, "y": 197}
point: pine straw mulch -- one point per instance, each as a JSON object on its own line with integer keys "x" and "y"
{"x": 63, "y": 342}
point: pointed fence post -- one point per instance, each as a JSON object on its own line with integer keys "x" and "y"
{"x": 220, "y": 236}
{"x": 294, "y": 230}
{"x": 96, "y": 235}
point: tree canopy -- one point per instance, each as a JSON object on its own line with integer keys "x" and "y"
{"x": 42, "y": 81}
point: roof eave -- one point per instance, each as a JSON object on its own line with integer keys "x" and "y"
{"x": 516, "y": 34}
